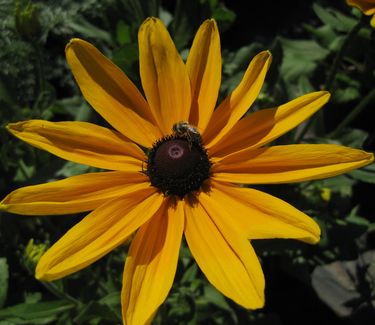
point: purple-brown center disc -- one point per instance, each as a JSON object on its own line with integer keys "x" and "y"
{"x": 177, "y": 166}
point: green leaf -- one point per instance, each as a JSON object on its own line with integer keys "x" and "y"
{"x": 71, "y": 169}
{"x": 4, "y": 276}
{"x": 123, "y": 34}
{"x": 224, "y": 15}
{"x": 352, "y": 138}
{"x": 35, "y": 311}
{"x": 301, "y": 57}
{"x": 95, "y": 310}
{"x": 335, "y": 19}
{"x": 344, "y": 95}
{"x": 215, "y": 297}
{"x": 190, "y": 274}
{"x": 239, "y": 60}
{"x": 326, "y": 37}
{"x": 126, "y": 57}
{"x": 24, "y": 171}
{"x": 340, "y": 184}
{"x": 82, "y": 26}
{"x": 365, "y": 174}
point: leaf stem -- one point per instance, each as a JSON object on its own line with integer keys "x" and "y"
{"x": 368, "y": 99}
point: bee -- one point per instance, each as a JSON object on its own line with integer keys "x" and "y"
{"x": 187, "y": 131}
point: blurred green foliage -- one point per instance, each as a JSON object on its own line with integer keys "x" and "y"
{"x": 333, "y": 50}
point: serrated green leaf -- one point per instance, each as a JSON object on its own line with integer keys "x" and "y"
{"x": 335, "y": 19}
{"x": 301, "y": 57}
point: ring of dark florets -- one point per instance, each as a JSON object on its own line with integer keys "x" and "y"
{"x": 178, "y": 165}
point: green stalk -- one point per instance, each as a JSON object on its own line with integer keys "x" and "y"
{"x": 51, "y": 287}
{"x": 333, "y": 72}
{"x": 340, "y": 54}
{"x": 365, "y": 102}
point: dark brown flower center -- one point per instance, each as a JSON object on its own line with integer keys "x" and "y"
{"x": 178, "y": 165}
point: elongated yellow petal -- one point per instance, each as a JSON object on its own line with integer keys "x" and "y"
{"x": 111, "y": 93}
{"x": 224, "y": 254}
{"x": 261, "y": 216}
{"x": 265, "y": 125}
{"x": 81, "y": 142}
{"x": 289, "y": 163}
{"x": 204, "y": 69}
{"x": 163, "y": 73}
{"x": 151, "y": 264}
{"x": 98, "y": 233}
{"x": 74, "y": 194}
{"x": 239, "y": 101}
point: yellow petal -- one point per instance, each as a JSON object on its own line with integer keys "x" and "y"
{"x": 224, "y": 254}
{"x": 265, "y": 125}
{"x": 261, "y": 216}
{"x": 239, "y": 101}
{"x": 81, "y": 142}
{"x": 98, "y": 233}
{"x": 289, "y": 163}
{"x": 204, "y": 69}
{"x": 151, "y": 264}
{"x": 163, "y": 74}
{"x": 111, "y": 93}
{"x": 372, "y": 21}
{"x": 74, "y": 194}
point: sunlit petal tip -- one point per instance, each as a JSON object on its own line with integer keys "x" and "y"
{"x": 322, "y": 97}
{"x": 371, "y": 157}
{"x": 14, "y": 127}
{"x": 41, "y": 272}
{"x": 150, "y": 22}
{"x": 210, "y": 23}
{"x": 72, "y": 42}
{"x": 3, "y": 207}
{"x": 267, "y": 57}
{"x": 314, "y": 232}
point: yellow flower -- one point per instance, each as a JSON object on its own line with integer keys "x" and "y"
{"x": 366, "y": 6}
{"x": 175, "y": 163}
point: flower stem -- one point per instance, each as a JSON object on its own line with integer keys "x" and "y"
{"x": 332, "y": 74}
{"x": 369, "y": 98}
{"x": 336, "y": 62}
{"x": 58, "y": 293}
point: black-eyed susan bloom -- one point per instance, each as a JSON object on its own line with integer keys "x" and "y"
{"x": 174, "y": 164}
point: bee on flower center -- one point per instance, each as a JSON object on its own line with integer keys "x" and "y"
{"x": 190, "y": 133}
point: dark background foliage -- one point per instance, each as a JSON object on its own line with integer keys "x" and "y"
{"x": 315, "y": 45}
